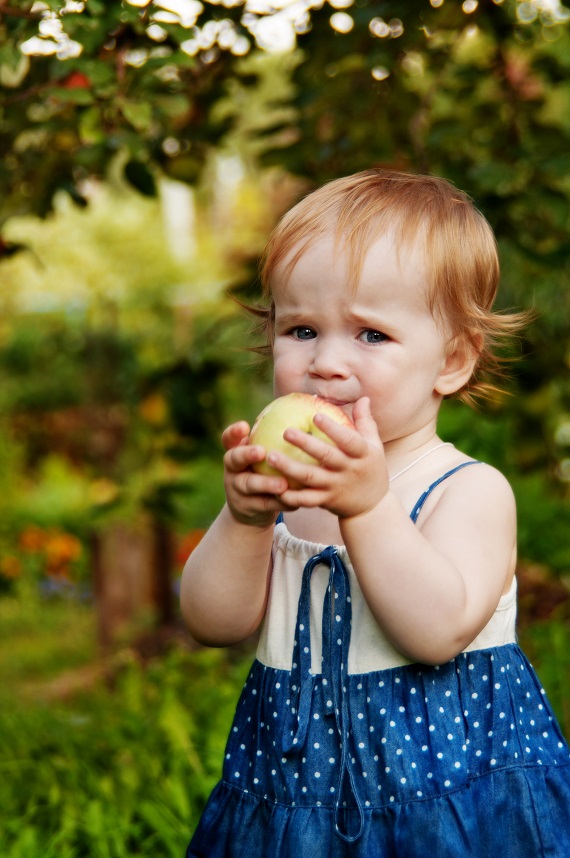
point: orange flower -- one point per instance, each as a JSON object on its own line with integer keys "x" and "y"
{"x": 60, "y": 550}
{"x": 10, "y": 567}
{"x": 187, "y": 545}
{"x": 32, "y": 539}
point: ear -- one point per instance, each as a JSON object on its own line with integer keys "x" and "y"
{"x": 460, "y": 363}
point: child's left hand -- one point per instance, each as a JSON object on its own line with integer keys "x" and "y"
{"x": 350, "y": 478}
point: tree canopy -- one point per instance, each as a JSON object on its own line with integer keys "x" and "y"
{"x": 476, "y": 91}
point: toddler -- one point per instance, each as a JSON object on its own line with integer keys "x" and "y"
{"x": 389, "y": 712}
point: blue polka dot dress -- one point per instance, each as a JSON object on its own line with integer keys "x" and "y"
{"x": 341, "y": 747}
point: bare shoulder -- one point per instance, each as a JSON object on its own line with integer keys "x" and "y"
{"x": 479, "y": 491}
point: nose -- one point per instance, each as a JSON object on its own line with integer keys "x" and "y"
{"x": 328, "y": 359}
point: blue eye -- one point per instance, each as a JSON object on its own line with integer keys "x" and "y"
{"x": 372, "y": 337}
{"x": 301, "y": 332}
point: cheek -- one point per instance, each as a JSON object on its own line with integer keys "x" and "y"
{"x": 284, "y": 373}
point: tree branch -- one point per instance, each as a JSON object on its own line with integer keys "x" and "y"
{"x": 19, "y": 13}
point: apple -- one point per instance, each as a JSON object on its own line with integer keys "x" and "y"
{"x": 293, "y": 410}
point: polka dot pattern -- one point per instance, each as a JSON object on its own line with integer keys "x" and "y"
{"x": 409, "y": 759}
{"x": 414, "y": 733}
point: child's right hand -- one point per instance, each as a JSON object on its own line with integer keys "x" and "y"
{"x": 252, "y": 498}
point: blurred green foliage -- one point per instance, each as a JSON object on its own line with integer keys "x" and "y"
{"x": 121, "y": 767}
{"x": 117, "y": 759}
{"x": 121, "y": 355}
{"x": 474, "y": 92}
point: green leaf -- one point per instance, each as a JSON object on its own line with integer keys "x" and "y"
{"x": 140, "y": 177}
{"x": 137, "y": 113}
{"x": 76, "y": 95}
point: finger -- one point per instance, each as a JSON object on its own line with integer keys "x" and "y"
{"x": 298, "y": 473}
{"x": 249, "y": 483}
{"x": 243, "y": 456}
{"x": 364, "y": 421}
{"x": 325, "y": 453}
{"x": 235, "y": 434}
{"x": 306, "y": 498}
{"x": 349, "y": 440}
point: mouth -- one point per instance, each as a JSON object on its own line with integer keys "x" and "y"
{"x": 340, "y": 403}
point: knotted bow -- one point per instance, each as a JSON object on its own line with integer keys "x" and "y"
{"x": 337, "y": 619}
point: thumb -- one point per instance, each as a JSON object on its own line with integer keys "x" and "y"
{"x": 235, "y": 435}
{"x": 364, "y": 422}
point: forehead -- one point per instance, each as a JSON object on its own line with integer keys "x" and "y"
{"x": 384, "y": 268}
{"x": 390, "y": 294}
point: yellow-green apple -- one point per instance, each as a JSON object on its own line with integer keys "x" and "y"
{"x": 294, "y": 410}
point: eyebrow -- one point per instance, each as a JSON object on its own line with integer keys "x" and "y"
{"x": 288, "y": 320}
{"x": 363, "y": 320}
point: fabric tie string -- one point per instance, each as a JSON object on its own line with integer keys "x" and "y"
{"x": 337, "y": 619}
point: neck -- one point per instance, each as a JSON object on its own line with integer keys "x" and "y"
{"x": 419, "y": 458}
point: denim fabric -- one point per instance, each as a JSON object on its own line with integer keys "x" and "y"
{"x": 460, "y": 759}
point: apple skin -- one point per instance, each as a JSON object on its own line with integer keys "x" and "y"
{"x": 292, "y": 410}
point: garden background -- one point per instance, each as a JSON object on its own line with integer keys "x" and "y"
{"x": 146, "y": 150}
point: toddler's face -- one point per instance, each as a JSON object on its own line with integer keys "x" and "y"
{"x": 380, "y": 341}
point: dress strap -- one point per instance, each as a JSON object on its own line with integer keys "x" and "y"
{"x": 422, "y": 499}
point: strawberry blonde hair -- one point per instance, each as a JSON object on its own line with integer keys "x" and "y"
{"x": 458, "y": 244}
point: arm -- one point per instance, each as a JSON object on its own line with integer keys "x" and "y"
{"x": 432, "y": 587}
{"x": 225, "y": 581}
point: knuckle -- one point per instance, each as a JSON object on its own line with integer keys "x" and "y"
{"x": 328, "y": 454}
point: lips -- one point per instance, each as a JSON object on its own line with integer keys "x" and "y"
{"x": 340, "y": 403}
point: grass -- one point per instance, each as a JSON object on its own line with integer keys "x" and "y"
{"x": 116, "y": 758}
{"x": 117, "y": 765}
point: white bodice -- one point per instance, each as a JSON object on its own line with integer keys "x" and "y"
{"x": 369, "y": 649}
